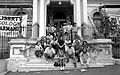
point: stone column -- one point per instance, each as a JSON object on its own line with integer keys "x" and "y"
{"x": 42, "y": 28}
{"x": 24, "y": 30}
{"x": 74, "y": 9}
{"x": 35, "y": 32}
{"x": 78, "y": 15}
{"x": 45, "y": 19}
{"x": 85, "y": 19}
{"x": 85, "y": 15}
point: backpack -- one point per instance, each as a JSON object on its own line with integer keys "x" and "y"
{"x": 56, "y": 64}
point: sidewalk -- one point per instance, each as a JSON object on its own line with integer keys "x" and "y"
{"x": 3, "y": 66}
{"x": 107, "y": 70}
{"x": 3, "y": 73}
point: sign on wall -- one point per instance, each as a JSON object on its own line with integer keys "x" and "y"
{"x": 10, "y": 25}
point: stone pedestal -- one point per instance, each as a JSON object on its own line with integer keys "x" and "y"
{"x": 3, "y": 65}
{"x": 18, "y": 53}
{"x": 104, "y": 51}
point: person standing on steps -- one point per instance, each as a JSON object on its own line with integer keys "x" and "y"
{"x": 61, "y": 54}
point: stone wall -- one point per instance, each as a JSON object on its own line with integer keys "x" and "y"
{"x": 14, "y": 63}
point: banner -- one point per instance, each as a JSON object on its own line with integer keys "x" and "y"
{"x": 10, "y": 25}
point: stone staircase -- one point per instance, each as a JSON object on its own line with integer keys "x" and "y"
{"x": 105, "y": 59}
{"x": 39, "y": 64}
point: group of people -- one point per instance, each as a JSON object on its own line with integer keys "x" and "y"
{"x": 63, "y": 50}
{"x": 68, "y": 29}
{"x": 63, "y": 45}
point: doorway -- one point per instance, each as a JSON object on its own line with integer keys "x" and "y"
{"x": 57, "y": 14}
{"x": 59, "y": 18}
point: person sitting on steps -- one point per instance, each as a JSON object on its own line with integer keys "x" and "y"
{"x": 84, "y": 56}
{"x": 70, "y": 53}
{"x": 49, "y": 53}
{"x": 78, "y": 47}
{"x": 39, "y": 50}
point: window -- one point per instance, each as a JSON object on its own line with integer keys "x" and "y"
{"x": 97, "y": 21}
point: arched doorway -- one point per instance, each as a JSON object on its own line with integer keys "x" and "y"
{"x": 59, "y": 18}
{"x": 59, "y": 13}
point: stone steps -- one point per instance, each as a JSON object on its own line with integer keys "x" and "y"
{"x": 41, "y": 65}
{"x": 106, "y": 61}
{"x": 51, "y": 67}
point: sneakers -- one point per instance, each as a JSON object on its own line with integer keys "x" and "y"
{"x": 62, "y": 68}
{"x": 83, "y": 70}
{"x": 75, "y": 65}
{"x": 47, "y": 62}
{"x": 87, "y": 65}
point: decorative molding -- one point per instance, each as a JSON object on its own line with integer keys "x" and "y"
{"x": 59, "y": 0}
{"x": 94, "y": 11}
{"x": 25, "y": 10}
{"x": 14, "y": 2}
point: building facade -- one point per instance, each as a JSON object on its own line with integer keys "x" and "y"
{"x": 44, "y": 12}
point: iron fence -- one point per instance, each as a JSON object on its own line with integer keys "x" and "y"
{"x": 116, "y": 47}
{"x": 4, "y": 39}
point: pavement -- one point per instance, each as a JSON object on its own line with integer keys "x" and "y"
{"x": 107, "y": 70}
{"x": 3, "y": 73}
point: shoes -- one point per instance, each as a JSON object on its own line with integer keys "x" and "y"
{"x": 75, "y": 65}
{"x": 83, "y": 70}
{"x": 62, "y": 68}
{"x": 47, "y": 62}
{"x": 87, "y": 65}
{"x": 50, "y": 61}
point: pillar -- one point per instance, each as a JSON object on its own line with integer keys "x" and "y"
{"x": 85, "y": 15}
{"x": 85, "y": 20}
{"x": 35, "y": 32}
{"x": 74, "y": 9}
{"x": 42, "y": 28}
{"x": 24, "y": 24}
{"x": 78, "y": 15}
{"x": 45, "y": 19}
